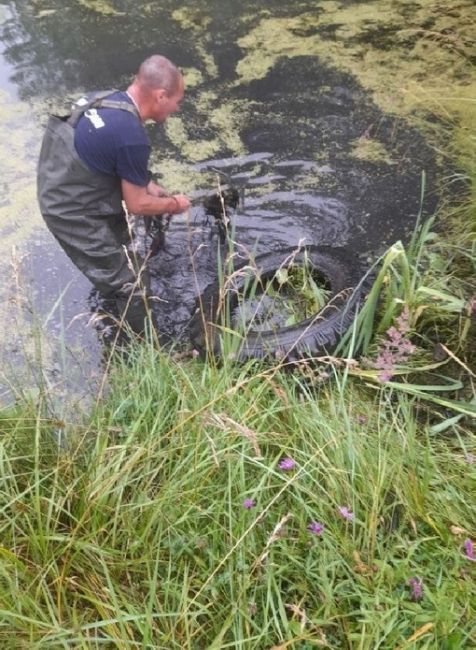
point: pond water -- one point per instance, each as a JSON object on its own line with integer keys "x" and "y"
{"x": 319, "y": 157}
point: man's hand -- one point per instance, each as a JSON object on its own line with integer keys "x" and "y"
{"x": 182, "y": 203}
{"x": 138, "y": 200}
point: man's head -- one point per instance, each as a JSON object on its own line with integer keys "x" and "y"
{"x": 157, "y": 88}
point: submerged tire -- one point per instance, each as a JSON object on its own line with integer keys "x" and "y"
{"x": 313, "y": 336}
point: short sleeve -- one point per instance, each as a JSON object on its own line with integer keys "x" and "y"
{"x": 132, "y": 164}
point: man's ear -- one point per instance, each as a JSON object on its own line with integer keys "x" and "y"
{"x": 160, "y": 94}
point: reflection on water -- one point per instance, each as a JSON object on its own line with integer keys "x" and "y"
{"x": 287, "y": 138}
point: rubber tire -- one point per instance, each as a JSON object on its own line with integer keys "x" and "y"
{"x": 314, "y": 336}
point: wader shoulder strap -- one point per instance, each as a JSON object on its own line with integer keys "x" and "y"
{"x": 98, "y": 100}
{"x": 123, "y": 106}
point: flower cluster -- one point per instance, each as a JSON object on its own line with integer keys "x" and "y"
{"x": 416, "y": 588}
{"x": 469, "y": 550}
{"x": 287, "y": 464}
{"x": 395, "y": 349}
{"x": 317, "y": 528}
{"x": 345, "y": 513}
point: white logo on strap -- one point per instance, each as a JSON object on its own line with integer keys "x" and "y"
{"x": 95, "y": 119}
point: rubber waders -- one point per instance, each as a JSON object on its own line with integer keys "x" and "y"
{"x": 83, "y": 209}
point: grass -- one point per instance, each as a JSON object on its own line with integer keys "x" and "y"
{"x": 133, "y": 528}
{"x": 134, "y": 534}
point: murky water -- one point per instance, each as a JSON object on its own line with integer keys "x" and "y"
{"x": 266, "y": 104}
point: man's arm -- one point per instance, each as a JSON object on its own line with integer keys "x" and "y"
{"x": 156, "y": 190}
{"x": 139, "y": 201}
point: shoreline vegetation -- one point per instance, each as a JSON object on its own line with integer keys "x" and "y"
{"x": 202, "y": 505}
{"x": 210, "y": 506}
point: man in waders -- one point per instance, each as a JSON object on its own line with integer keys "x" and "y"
{"x": 95, "y": 159}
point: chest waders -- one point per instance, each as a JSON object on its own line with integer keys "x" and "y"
{"x": 83, "y": 210}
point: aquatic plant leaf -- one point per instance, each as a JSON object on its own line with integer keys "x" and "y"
{"x": 319, "y": 294}
{"x": 467, "y": 408}
{"x": 447, "y": 301}
{"x": 446, "y": 424}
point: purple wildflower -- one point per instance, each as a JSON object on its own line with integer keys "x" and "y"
{"x": 249, "y": 503}
{"x": 316, "y": 528}
{"x": 346, "y": 513}
{"x": 287, "y": 464}
{"x": 416, "y": 586}
{"x": 470, "y": 458}
{"x": 361, "y": 419}
{"x": 469, "y": 550}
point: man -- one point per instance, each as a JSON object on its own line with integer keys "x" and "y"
{"x": 92, "y": 161}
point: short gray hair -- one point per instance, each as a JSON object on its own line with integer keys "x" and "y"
{"x": 158, "y": 72}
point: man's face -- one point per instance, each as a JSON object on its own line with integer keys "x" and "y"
{"x": 166, "y": 104}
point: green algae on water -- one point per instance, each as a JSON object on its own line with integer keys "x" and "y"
{"x": 101, "y": 7}
{"x": 175, "y": 176}
{"x": 192, "y": 18}
{"x": 193, "y": 150}
{"x": 414, "y": 57}
{"x": 18, "y": 156}
{"x": 224, "y": 120}
{"x": 197, "y": 21}
{"x": 192, "y": 77}
{"x": 370, "y": 150}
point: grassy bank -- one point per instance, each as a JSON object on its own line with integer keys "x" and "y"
{"x": 169, "y": 521}
{"x": 245, "y": 506}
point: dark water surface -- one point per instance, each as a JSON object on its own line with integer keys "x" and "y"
{"x": 318, "y": 161}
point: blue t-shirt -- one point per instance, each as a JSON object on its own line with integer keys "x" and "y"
{"x": 115, "y": 142}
